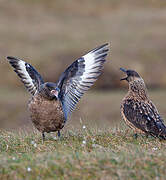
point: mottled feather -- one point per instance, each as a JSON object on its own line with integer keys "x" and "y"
{"x": 144, "y": 116}
{"x": 46, "y": 115}
{"x": 138, "y": 111}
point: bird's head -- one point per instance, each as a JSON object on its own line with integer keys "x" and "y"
{"x": 131, "y": 75}
{"x": 50, "y": 91}
{"x": 136, "y": 83}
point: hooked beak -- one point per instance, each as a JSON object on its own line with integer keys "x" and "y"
{"x": 55, "y": 92}
{"x": 125, "y": 71}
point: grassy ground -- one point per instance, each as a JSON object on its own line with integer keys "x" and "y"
{"x": 83, "y": 154}
{"x": 95, "y": 144}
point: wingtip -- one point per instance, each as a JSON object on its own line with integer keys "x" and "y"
{"x": 10, "y": 57}
{"x": 104, "y": 47}
{"x": 108, "y": 44}
{"x": 123, "y": 69}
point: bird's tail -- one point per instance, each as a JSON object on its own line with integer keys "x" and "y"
{"x": 161, "y": 130}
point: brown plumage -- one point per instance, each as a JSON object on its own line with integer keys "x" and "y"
{"x": 52, "y": 103}
{"x": 137, "y": 109}
{"x": 49, "y": 117}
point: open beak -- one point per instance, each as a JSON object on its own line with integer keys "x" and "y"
{"x": 125, "y": 71}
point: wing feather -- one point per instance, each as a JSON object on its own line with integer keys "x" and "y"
{"x": 80, "y": 76}
{"x": 27, "y": 73}
{"x": 144, "y": 116}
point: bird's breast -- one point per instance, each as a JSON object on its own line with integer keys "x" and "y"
{"x": 47, "y": 115}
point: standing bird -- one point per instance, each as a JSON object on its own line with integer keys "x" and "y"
{"x": 52, "y": 103}
{"x": 137, "y": 109}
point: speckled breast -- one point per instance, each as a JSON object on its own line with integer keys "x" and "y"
{"x": 46, "y": 115}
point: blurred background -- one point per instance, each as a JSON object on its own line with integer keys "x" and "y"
{"x": 51, "y": 34}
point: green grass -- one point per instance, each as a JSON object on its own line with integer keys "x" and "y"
{"x": 110, "y": 150}
{"x": 81, "y": 154}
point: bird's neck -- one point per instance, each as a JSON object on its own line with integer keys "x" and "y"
{"x": 138, "y": 90}
{"x": 43, "y": 95}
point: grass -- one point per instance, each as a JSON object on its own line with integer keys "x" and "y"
{"x": 105, "y": 149}
{"x": 81, "y": 154}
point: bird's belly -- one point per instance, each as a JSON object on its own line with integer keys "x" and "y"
{"x": 47, "y": 116}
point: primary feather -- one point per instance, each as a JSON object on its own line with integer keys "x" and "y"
{"x": 28, "y": 75}
{"x": 80, "y": 76}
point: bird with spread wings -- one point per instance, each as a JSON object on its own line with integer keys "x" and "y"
{"x": 52, "y": 103}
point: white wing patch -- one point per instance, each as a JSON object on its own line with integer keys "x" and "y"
{"x": 80, "y": 76}
{"x": 28, "y": 75}
{"x": 93, "y": 67}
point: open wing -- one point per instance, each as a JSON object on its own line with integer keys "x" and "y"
{"x": 144, "y": 116}
{"x": 28, "y": 75}
{"x": 80, "y": 76}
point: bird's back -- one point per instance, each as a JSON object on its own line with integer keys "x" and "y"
{"x": 143, "y": 116}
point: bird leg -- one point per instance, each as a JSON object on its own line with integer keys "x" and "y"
{"x": 59, "y": 134}
{"x": 147, "y": 135}
{"x": 135, "y": 135}
{"x": 43, "y": 137}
